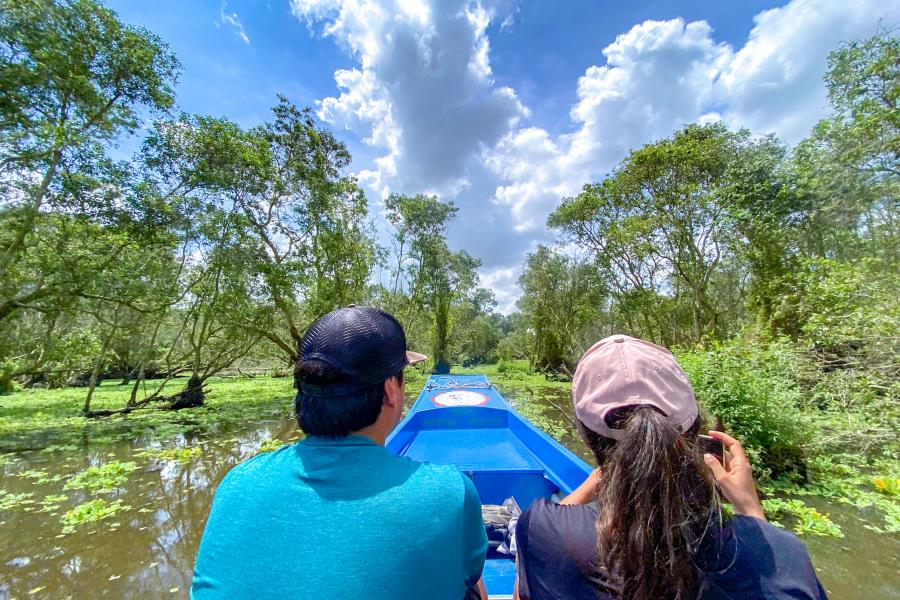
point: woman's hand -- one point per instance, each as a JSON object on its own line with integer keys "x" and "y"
{"x": 735, "y": 478}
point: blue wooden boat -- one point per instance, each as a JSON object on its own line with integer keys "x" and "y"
{"x": 463, "y": 420}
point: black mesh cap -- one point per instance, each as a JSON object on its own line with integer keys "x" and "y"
{"x": 365, "y": 344}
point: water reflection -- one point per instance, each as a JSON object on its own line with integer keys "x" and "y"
{"x": 145, "y": 551}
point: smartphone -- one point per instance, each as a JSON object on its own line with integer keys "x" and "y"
{"x": 711, "y": 445}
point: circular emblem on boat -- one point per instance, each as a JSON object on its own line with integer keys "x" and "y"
{"x": 460, "y": 398}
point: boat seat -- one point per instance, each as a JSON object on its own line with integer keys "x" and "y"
{"x": 474, "y": 450}
{"x": 499, "y": 464}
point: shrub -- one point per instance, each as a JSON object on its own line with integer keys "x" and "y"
{"x": 509, "y": 367}
{"x": 749, "y": 385}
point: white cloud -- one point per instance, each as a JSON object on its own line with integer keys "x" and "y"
{"x": 423, "y": 94}
{"x": 503, "y": 280}
{"x": 657, "y": 76}
{"x": 231, "y": 18}
{"x": 423, "y": 91}
{"x": 773, "y": 83}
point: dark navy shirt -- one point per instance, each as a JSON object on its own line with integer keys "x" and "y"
{"x": 557, "y": 546}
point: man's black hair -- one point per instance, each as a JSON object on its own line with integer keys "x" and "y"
{"x": 338, "y": 416}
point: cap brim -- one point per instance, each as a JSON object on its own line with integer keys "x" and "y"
{"x": 414, "y": 357}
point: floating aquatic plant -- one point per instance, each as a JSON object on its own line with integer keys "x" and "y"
{"x": 104, "y": 478}
{"x": 807, "y": 520}
{"x": 91, "y": 512}
{"x": 181, "y": 454}
{"x": 52, "y": 502}
{"x": 52, "y": 448}
{"x": 272, "y": 445}
{"x": 9, "y": 501}
{"x": 39, "y": 476}
{"x": 887, "y": 485}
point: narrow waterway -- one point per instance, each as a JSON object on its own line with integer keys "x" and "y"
{"x": 147, "y": 549}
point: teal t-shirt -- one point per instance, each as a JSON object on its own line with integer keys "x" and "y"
{"x": 340, "y": 518}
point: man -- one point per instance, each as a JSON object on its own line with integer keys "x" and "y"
{"x": 336, "y": 515}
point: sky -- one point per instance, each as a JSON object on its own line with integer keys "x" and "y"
{"x": 506, "y": 107}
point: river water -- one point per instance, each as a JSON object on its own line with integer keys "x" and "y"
{"x": 147, "y": 551}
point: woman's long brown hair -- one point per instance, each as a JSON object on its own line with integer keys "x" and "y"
{"x": 657, "y": 499}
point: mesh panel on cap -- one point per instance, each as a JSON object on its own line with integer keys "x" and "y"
{"x": 365, "y": 344}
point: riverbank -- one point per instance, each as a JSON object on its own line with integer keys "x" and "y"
{"x": 117, "y": 504}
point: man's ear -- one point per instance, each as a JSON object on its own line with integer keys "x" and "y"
{"x": 393, "y": 392}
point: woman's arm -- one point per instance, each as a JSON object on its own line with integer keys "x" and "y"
{"x": 586, "y": 492}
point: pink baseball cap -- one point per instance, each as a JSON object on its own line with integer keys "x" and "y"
{"x": 621, "y": 371}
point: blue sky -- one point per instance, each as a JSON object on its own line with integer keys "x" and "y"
{"x": 502, "y": 106}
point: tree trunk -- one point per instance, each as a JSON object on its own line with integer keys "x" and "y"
{"x": 191, "y": 396}
{"x": 137, "y": 384}
{"x": 6, "y": 383}
{"x": 92, "y": 385}
{"x": 441, "y": 325}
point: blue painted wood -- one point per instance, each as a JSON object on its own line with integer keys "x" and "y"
{"x": 463, "y": 420}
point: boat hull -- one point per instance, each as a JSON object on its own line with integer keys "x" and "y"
{"x": 462, "y": 420}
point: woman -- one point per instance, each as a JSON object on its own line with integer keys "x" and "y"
{"x": 647, "y": 524}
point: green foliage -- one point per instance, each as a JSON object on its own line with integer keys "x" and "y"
{"x": 39, "y": 476}
{"x": 103, "y": 478}
{"x": 45, "y": 418}
{"x": 271, "y": 445}
{"x": 52, "y": 502}
{"x": 847, "y": 168}
{"x": 848, "y": 479}
{"x": 749, "y": 386}
{"x": 847, "y": 316}
{"x": 836, "y": 304}
{"x": 180, "y": 454}
{"x": 807, "y": 520}
{"x": 91, "y": 512}
{"x": 430, "y": 278}
{"x": 560, "y": 297}
{"x": 864, "y": 87}
{"x": 887, "y": 485}
{"x": 286, "y": 230}
{"x": 513, "y": 367}
{"x": 9, "y": 500}
{"x": 72, "y": 78}
{"x": 668, "y": 227}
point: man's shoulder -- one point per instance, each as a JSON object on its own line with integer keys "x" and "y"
{"x": 438, "y": 478}
{"x": 251, "y": 468}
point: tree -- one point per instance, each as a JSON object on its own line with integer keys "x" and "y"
{"x": 560, "y": 297}
{"x": 452, "y": 276}
{"x": 310, "y": 247}
{"x": 849, "y": 167}
{"x": 114, "y": 266}
{"x": 478, "y": 329}
{"x": 72, "y": 78}
{"x": 434, "y": 277}
{"x": 759, "y": 193}
{"x": 668, "y": 226}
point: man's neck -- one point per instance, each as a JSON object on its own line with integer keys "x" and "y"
{"x": 374, "y": 432}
